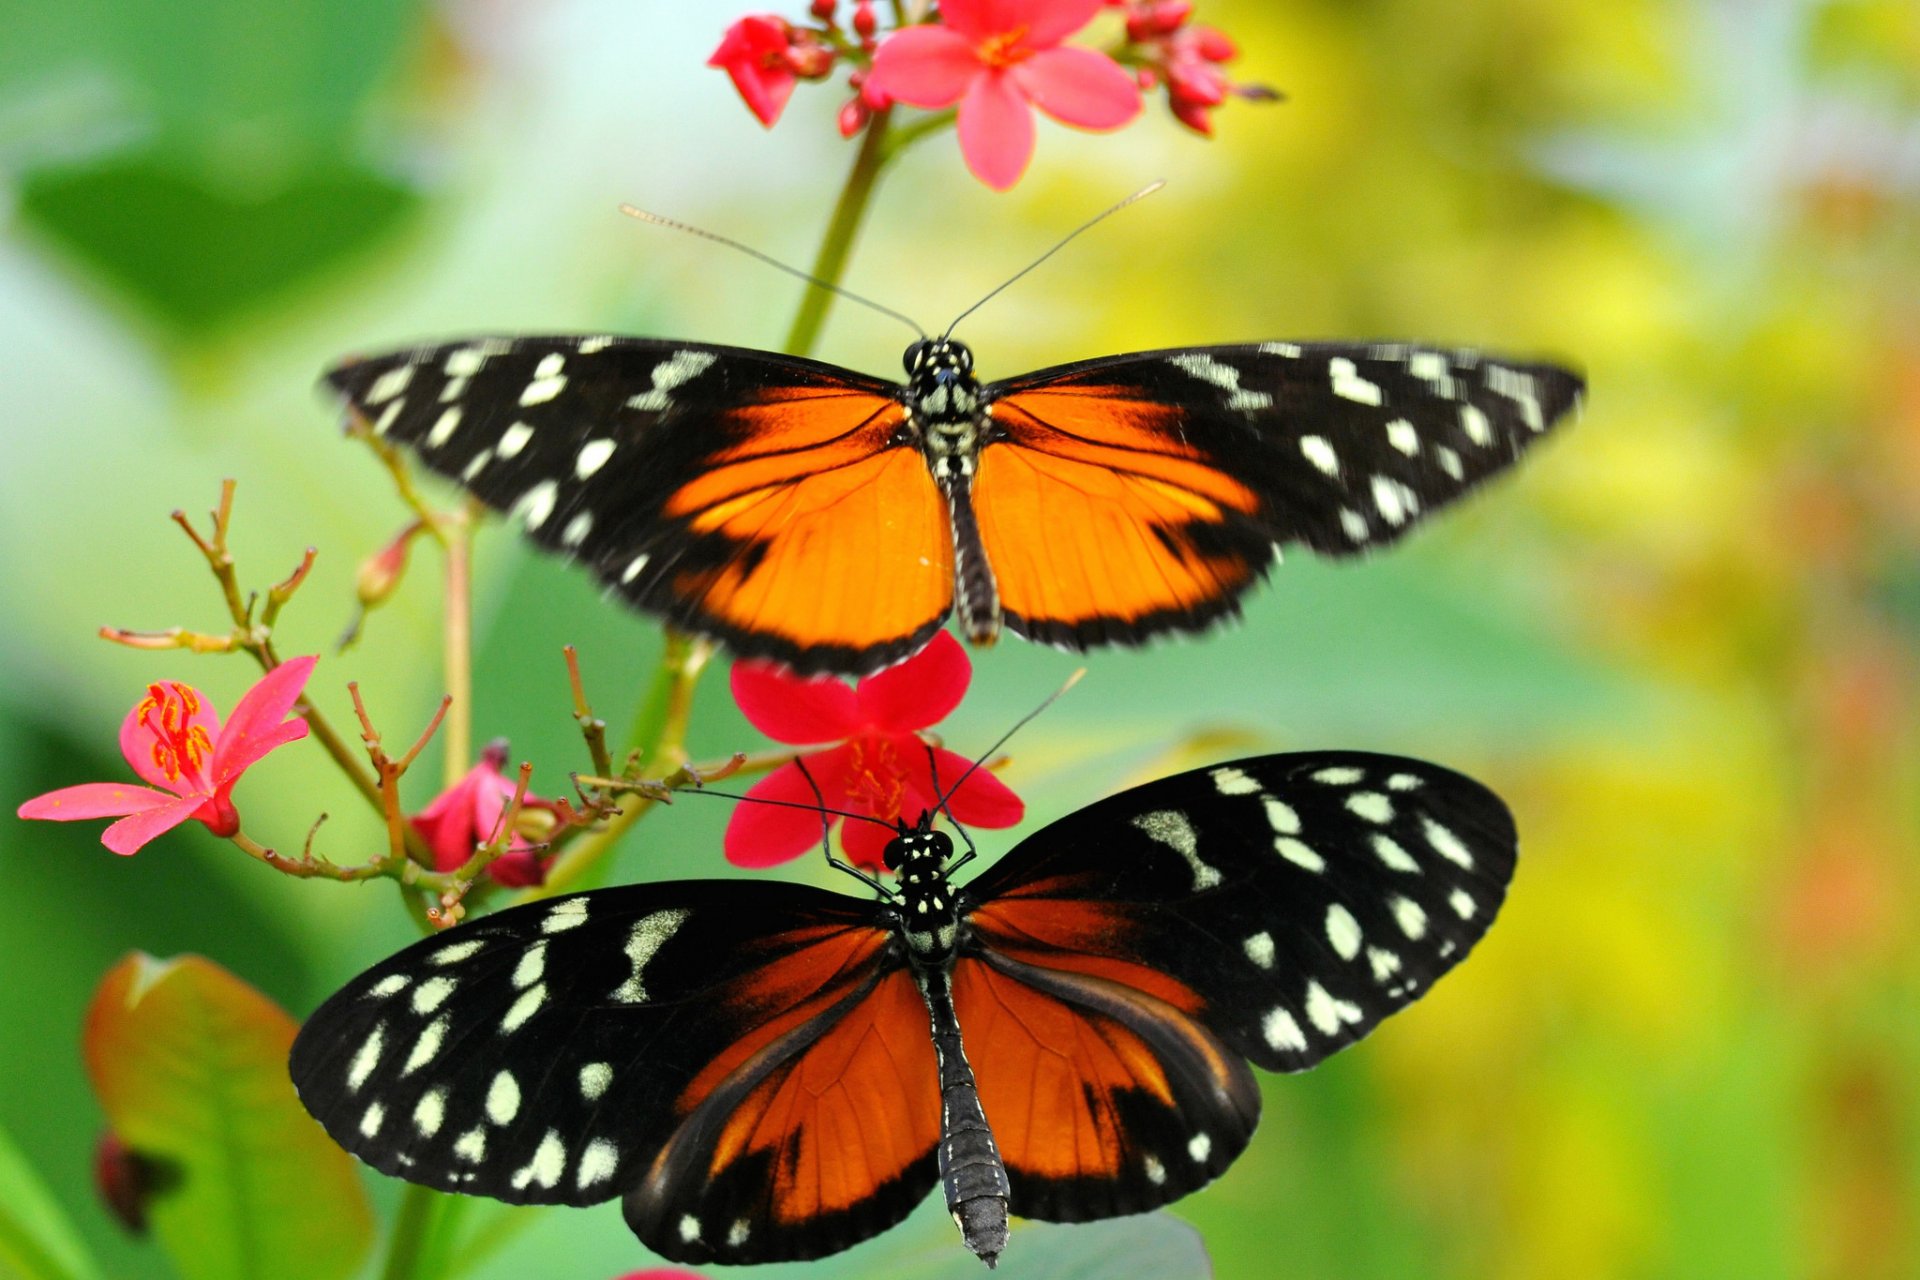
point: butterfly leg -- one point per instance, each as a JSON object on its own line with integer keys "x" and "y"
{"x": 971, "y": 1171}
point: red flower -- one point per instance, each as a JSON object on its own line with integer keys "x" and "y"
{"x": 173, "y": 740}
{"x": 467, "y": 815}
{"x": 881, "y": 766}
{"x": 997, "y": 58}
{"x": 765, "y": 55}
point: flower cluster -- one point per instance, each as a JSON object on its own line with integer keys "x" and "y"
{"x": 993, "y": 62}
{"x": 468, "y": 814}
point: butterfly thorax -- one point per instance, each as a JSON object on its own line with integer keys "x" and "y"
{"x": 927, "y": 908}
{"x": 943, "y": 403}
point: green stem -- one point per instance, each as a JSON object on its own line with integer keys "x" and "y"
{"x": 456, "y": 733}
{"x": 413, "y": 1227}
{"x": 830, "y": 263}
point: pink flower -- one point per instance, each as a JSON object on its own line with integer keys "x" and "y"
{"x": 467, "y": 815}
{"x": 173, "y": 740}
{"x": 765, "y": 55}
{"x": 997, "y": 58}
{"x": 881, "y": 766}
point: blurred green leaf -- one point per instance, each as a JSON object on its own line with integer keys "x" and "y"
{"x": 190, "y": 1065}
{"x": 37, "y": 1242}
{"x": 202, "y": 253}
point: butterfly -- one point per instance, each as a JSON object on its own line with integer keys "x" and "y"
{"x": 766, "y": 1071}
{"x": 831, "y": 521}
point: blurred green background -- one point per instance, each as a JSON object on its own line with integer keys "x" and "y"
{"x": 1681, "y": 641}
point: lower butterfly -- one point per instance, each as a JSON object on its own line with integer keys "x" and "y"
{"x": 831, "y": 521}
{"x": 764, "y": 1072}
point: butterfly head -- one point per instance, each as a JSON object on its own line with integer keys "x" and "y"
{"x": 941, "y": 389}
{"x": 918, "y": 853}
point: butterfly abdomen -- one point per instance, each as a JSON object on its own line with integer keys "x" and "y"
{"x": 971, "y": 1171}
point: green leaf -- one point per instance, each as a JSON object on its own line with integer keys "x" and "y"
{"x": 204, "y": 253}
{"x": 37, "y": 1242}
{"x": 190, "y": 1064}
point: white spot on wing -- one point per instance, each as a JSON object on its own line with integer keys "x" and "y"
{"x": 680, "y": 368}
{"x": 1156, "y": 1172}
{"x": 1260, "y": 949}
{"x": 1462, "y": 903}
{"x": 650, "y": 932}
{"x": 370, "y": 1120}
{"x": 1338, "y": 776}
{"x": 593, "y": 455}
{"x": 432, "y": 993}
{"x": 430, "y": 1112}
{"x": 465, "y": 362}
{"x": 1450, "y": 462}
{"x": 1353, "y": 524}
{"x": 513, "y": 439}
{"x": 1411, "y": 917}
{"x": 1327, "y": 1012}
{"x": 1405, "y": 782}
{"x": 1447, "y": 844}
{"x": 577, "y": 529}
{"x": 1371, "y": 805}
{"x": 594, "y": 1079}
{"x": 426, "y": 1046}
{"x": 389, "y": 985}
{"x": 1402, "y": 436}
{"x": 737, "y": 1233}
{"x": 1320, "y": 453}
{"x": 634, "y": 566}
{"x": 535, "y": 505}
{"x": 689, "y": 1228}
{"x": 1171, "y": 828}
{"x": 1349, "y": 385}
{"x": 1299, "y": 854}
{"x": 1392, "y": 854}
{"x": 597, "y": 1163}
{"x": 1475, "y": 424}
{"x": 1385, "y": 963}
{"x": 533, "y": 963}
{"x": 1386, "y": 499}
{"x": 1287, "y": 349}
{"x": 1281, "y": 817}
{"x": 1224, "y": 376}
{"x": 503, "y": 1098}
{"x": 366, "y": 1060}
{"x": 1282, "y": 1032}
{"x": 1229, "y": 781}
{"x": 1343, "y": 932}
{"x": 443, "y": 429}
{"x": 569, "y": 913}
{"x": 456, "y": 952}
{"x": 472, "y": 1145}
{"x": 390, "y": 384}
{"x": 525, "y": 1007}
{"x": 1200, "y": 1146}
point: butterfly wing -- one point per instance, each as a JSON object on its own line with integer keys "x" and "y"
{"x": 1135, "y": 953}
{"x": 763, "y": 500}
{"x": 1129, "y": 496}
{"x": 747, "y": 1063}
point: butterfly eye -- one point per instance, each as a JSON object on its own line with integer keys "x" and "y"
{"x": 915, "y": 355}
{"x": 940, "y": 846}
{"x": 891, "y": 855}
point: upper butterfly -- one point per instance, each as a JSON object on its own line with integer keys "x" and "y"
{"x": 821, "y": 518}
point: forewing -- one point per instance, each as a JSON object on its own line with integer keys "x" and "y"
{"x": 1128, "y": 496}
{"x": 1286, "y": 902}
{"x": 755, "y": 498}
{"x": 694, "y": 1046}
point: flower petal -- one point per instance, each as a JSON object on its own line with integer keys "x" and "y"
{"x": 256, "y": 725}
{"x": 982, "y": 800}
{"x": 788, "y": 708}
{"x": 129, "y": 835}
{"x": 1048, "y": 22}
{"x": 95, "y": 800}
{"x": 996, "y": 130}
{"x": 137, "y": 739}
{"x": 765, "y": 835}
{"x": 1080, "y": 87}
{"x": 924, "y": 66}
{"x": 919, "y": 691}
{"x": 865, "y": 844}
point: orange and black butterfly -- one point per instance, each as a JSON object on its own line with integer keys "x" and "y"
{"x": 771, "y": 1071}
{"x": 831, "y": 521}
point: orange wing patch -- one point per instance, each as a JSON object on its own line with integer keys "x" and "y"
{"x": 847, "y": 1115}
{"x": 1048, "y": 1075}
{"x": 842, "y": 539}
{"x": 1037, "y": 924}
{"x": 1088, "y": 508}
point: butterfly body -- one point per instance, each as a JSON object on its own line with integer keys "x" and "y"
{"x": 768, "y": 1071}
{"x": 832, "y": 521}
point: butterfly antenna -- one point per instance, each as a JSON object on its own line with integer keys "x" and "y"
{"x": 658, "y": 221}
{"x": 825, "y": 826}
{"x": 1020, "y": 724}
{"x": 1065, "y": 240}
{"x": 933, "y": 768}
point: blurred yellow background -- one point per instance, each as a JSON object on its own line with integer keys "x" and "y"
{"x": 1681, "y": 641}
